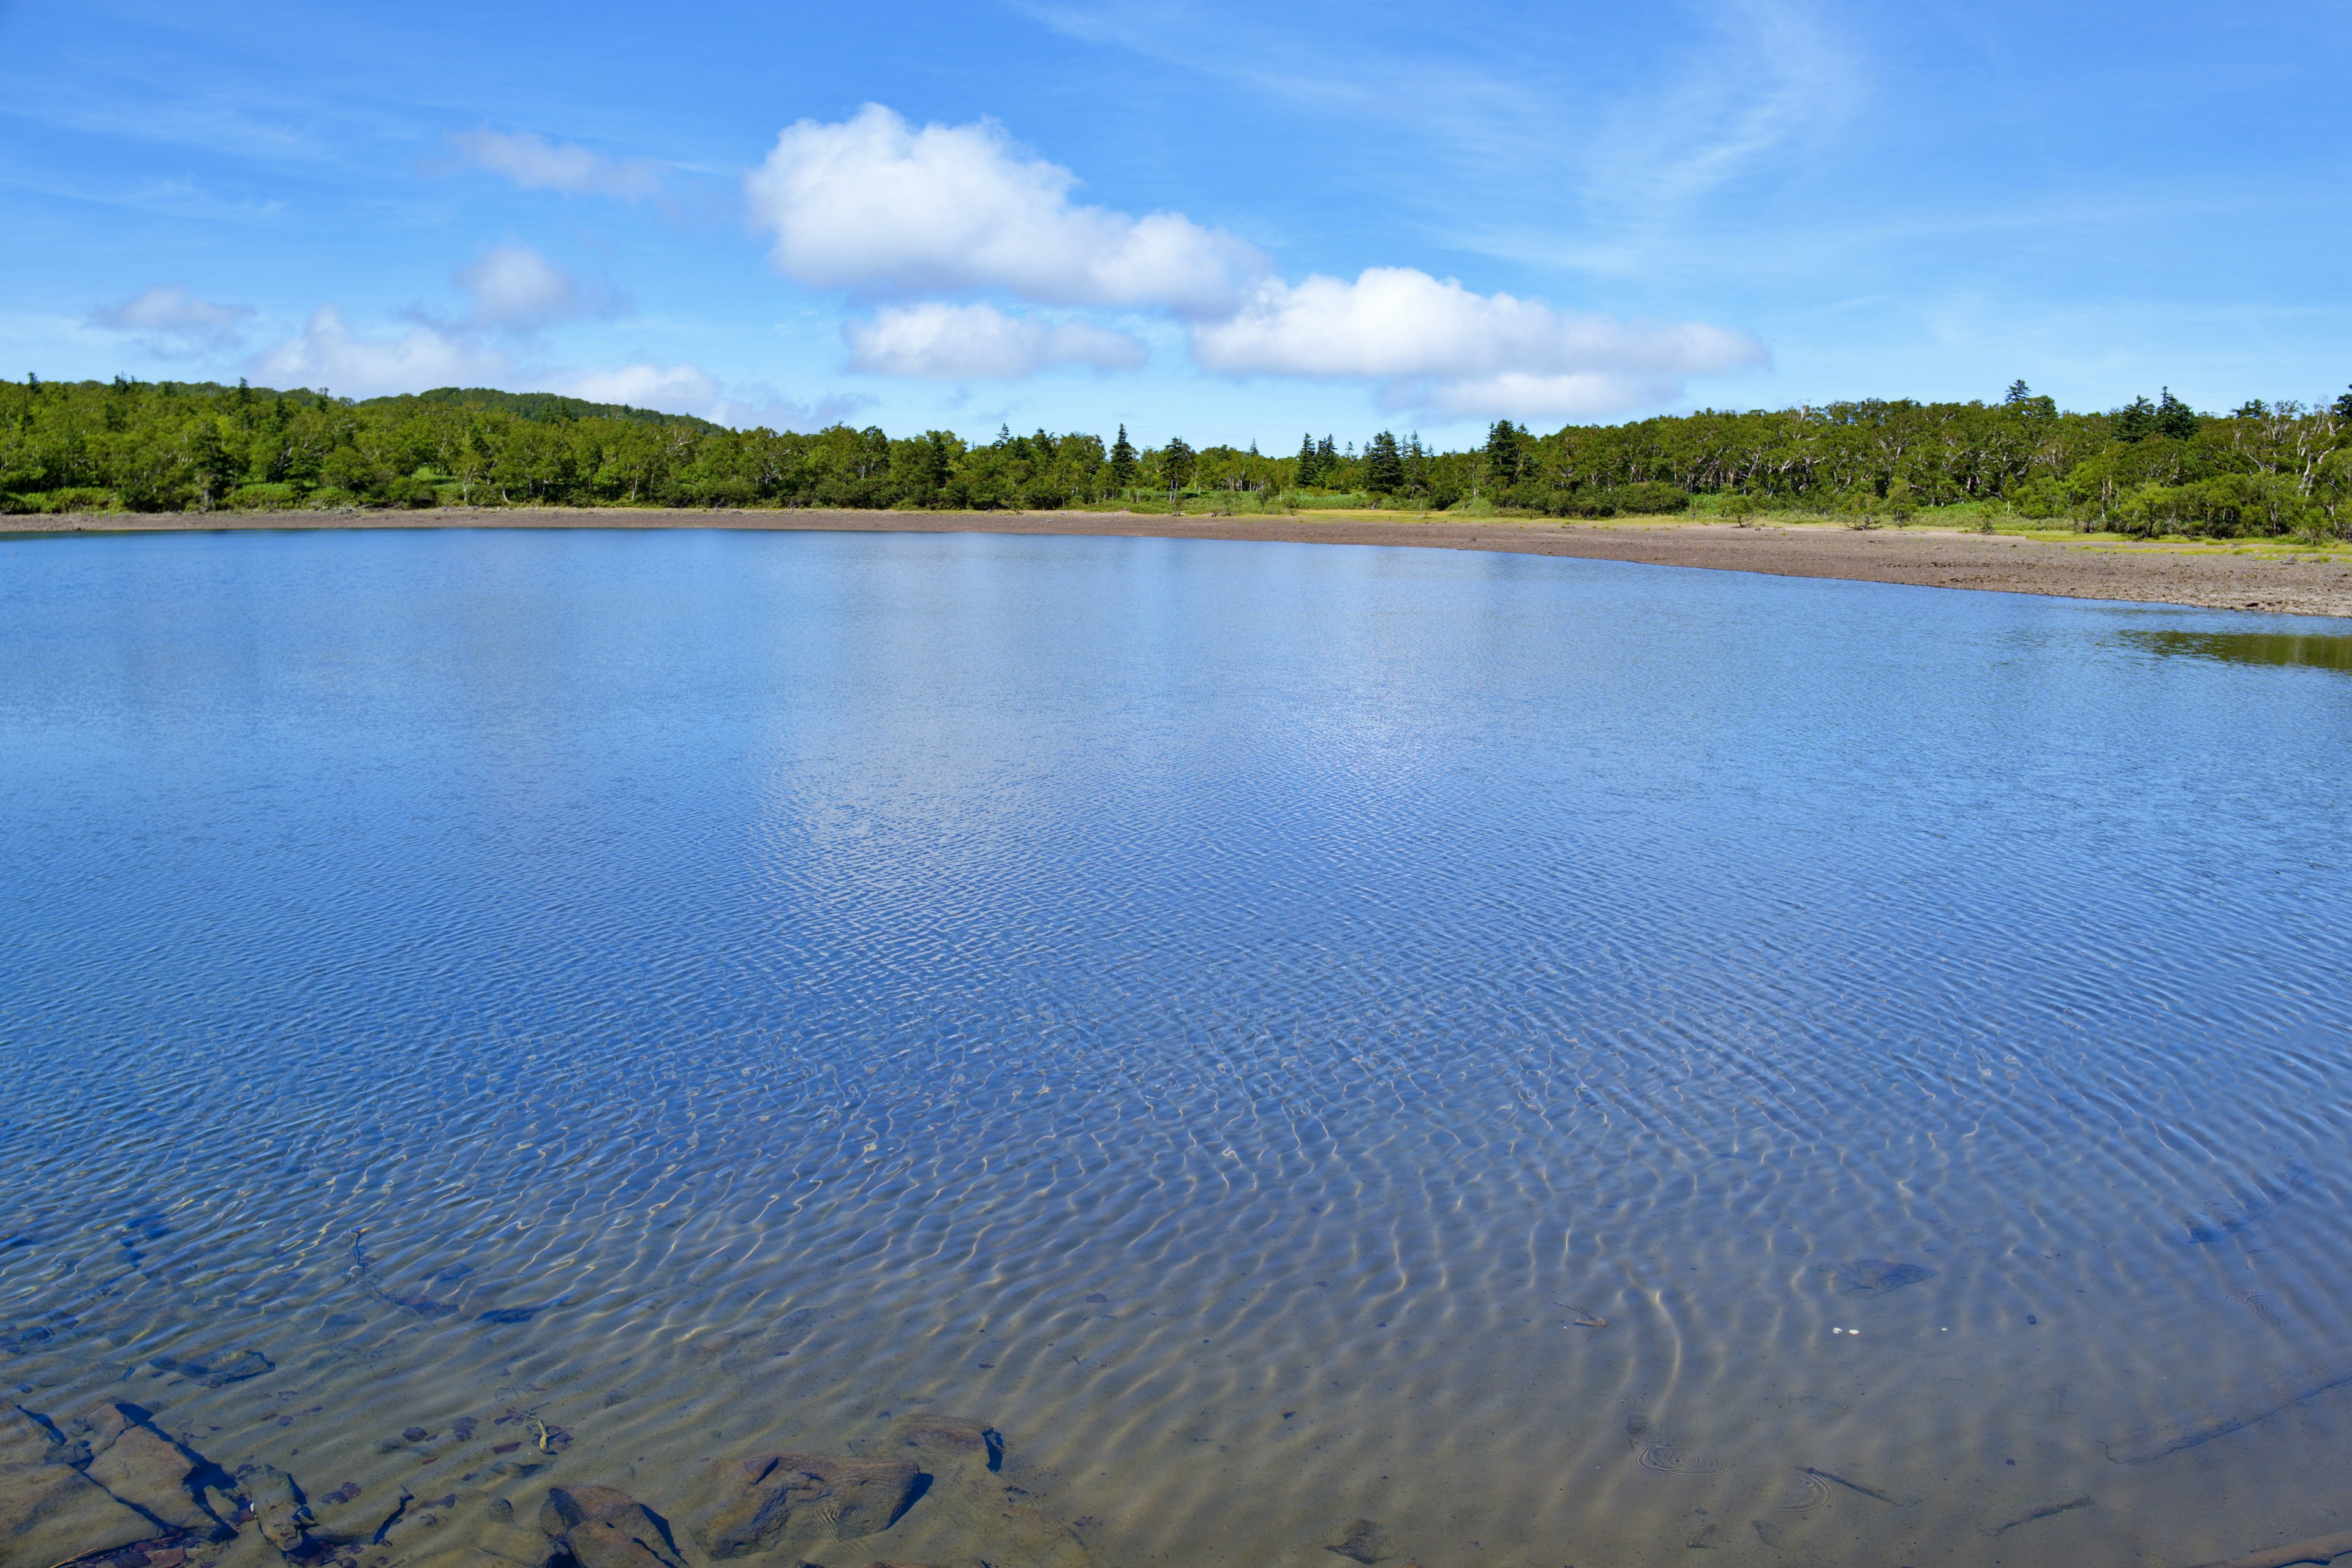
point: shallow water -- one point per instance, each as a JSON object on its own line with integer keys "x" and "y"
{"x": 1568, "y": 1061}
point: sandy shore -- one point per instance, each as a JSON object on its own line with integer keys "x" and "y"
{"x": 2269, "y": 577}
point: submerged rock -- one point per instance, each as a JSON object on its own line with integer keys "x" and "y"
{"x": 775, "y": 1500}
{"x": 230, "y": 1366}
{"x": 49, "y": 1512}
{"x": 602, "y": 1527}
{"x": 53, "y": 1513}
{"x": 1359, "y": 1540}
{"x": 971, "y": 1510}
{"x": 470, "y": 1530}
{"x": 143, "y": 1467}
{"x": 1876, "y": 1275}
{"x": 278, "y": 1510}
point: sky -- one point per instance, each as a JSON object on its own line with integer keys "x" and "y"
{"x": 1226, "y": 222}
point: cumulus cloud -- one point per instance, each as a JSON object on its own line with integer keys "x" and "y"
{"x": 516, "y": 288}
{"x": 981, "y": 341}
{"x": 173, "y": 321}
{"x": 1436, "y": 346}
{"x": 876, "y": 206}
{"x": 536, "y": 163}
{"x": 328, "y": 353}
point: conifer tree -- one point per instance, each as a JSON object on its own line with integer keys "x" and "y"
{"x": 1504, "y": 456}
{"x": 1122, "y": 460}
{"x": 1309, "y": 465}
{"x": 2174, "y": 418}
{"x": 1176, "y": 463}
{"x": 1383, "y": 465}
{"x": 2136, "y": 421}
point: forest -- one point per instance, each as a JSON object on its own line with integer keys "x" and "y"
{"x": 2149, "y": 468}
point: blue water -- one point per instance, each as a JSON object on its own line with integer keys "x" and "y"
{"x": 1549, "y": 1056}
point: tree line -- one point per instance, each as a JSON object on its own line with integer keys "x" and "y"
{"x": 2150, "y": 467}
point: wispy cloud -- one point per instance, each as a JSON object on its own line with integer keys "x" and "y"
{"x": 533, "y": 163}
{"x": 689, "y": 389}
{"x": 171, "y": 321}
{"x": 1548, "y": 145}
{"x": 515, "y": 288}
{"x": 1765, "y": 86}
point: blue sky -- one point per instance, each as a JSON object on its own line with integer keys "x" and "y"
{"x": 1221, "y": 221}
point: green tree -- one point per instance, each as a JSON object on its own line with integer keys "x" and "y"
{"x": 209, "y": 462}
{"x": 1506, "y": 453}
{"x": 2136, "y": 421}
{"x": 1310, "y": 465}
{"x": 1122, "y": 461}
{"x": 1383, "y": 465}
{"x": 1177, "y": 462}
{"x": 2174, "y": 418}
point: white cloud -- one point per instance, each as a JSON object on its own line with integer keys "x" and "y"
{"x": 875, "y": 205}
{"x": 538, "y": 164}
{"x": 515, "y": 288}
{"x": 979, "y": 341}
{"x": 173, "y": 321}
{"x": 673, "y": 389}
{"x": 328, "y": 353}
{"x": 689, "y": 389}
{"x": 1438, "y": 346}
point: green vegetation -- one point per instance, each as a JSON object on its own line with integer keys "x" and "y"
{"x": 2148, "y": 468}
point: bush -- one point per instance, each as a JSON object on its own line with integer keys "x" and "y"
{"x": 1652, "y": 497}
{"x": 411, "y": 492}
{"x": 261, "y": 498}
{"x": 2040, "y": 499}
{"x": 141, "y": 492}
{"x": 81, "y": 499}
{"x": 1580, "y": 503}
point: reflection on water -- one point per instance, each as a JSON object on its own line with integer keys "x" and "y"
{"x": 2247, "y": 647}
{"x": 1064, "y": 1052}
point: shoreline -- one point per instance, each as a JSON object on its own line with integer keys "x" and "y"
{"x": 2266, "y": 577}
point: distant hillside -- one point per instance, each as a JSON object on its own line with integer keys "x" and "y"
{"x": 541, "y": 407}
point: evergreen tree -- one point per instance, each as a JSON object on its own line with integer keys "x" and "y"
{"x": 1383, "y": 465}
{"x": 2018, "y": 392}
{"x": 1327, "y": 455}
{"x": 1176, "y": 461}
{"x": 2174, "y": 418}
{"x": 1506, "y": 454}
{"x": 2136, "y": 421}
{"x": 2342, "y": 408}
{"x": 1122, "y": 460}
{"x": 1310, "y": 464}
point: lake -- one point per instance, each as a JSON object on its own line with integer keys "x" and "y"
{"x": 1328, "y": 1054}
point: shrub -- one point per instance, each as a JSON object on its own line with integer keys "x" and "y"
{"x": 260, "y": 498}
{"x": 1651, "y": 496}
